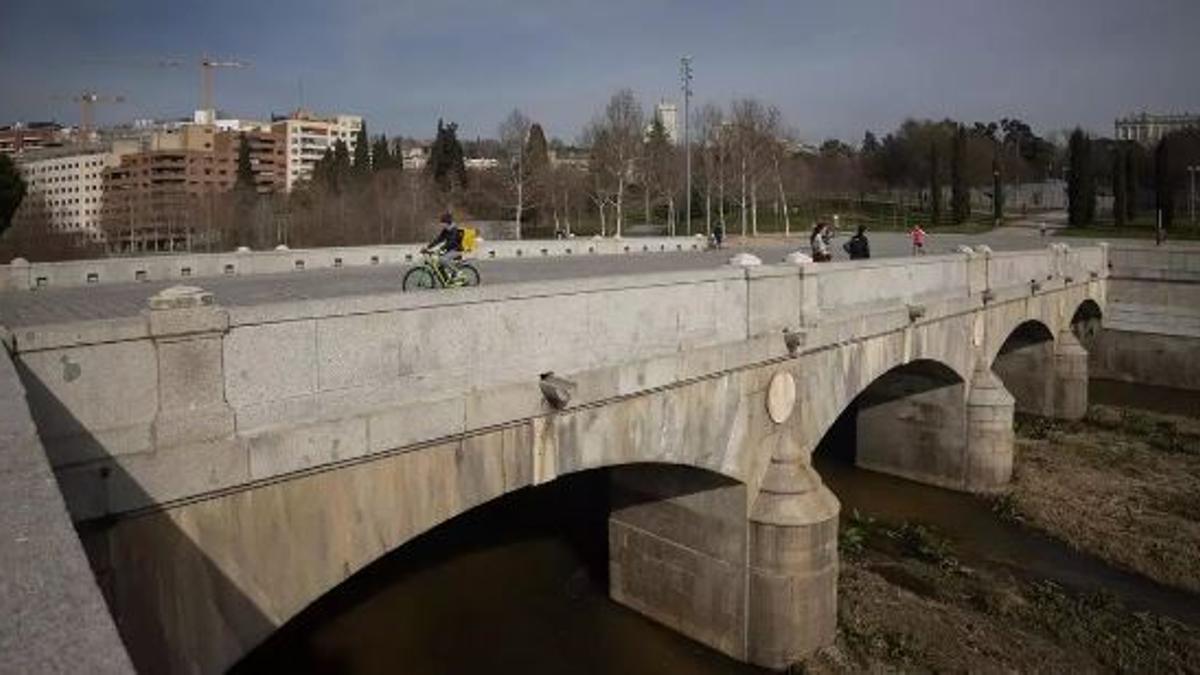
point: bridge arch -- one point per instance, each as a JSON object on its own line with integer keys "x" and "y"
{"x": 921, "y": 420}
{"x": 1046, "y": 372}
{"x": 608, "y": 508}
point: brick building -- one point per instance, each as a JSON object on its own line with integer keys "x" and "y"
{"x": 166, "y": 197}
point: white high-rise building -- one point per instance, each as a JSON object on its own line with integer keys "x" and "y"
{"x": 307, "y": 137}
{"x": 68, "y": 182}
{"x": 668, "y": 114}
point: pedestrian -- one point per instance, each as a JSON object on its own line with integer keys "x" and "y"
{"x": 918, "y": 239}
{"x": 858, "y": 247}
{"x": 819, "y": 241}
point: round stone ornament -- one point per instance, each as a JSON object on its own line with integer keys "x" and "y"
{"x": 781, "y": 397}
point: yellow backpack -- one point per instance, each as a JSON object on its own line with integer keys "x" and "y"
{"x": 469, "y": 237}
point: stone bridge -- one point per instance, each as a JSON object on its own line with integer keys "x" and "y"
{"x": 227, "y": 466}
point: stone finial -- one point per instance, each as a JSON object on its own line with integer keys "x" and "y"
{"x": 282, "y": 247}
{"x": 181, "y": 297}
{"x": 983, "y": 249}
{"x": 19, "y": 262}
{"x": 965, "y": 250}
{"x": 243, "y": 249}
{"x": 798, "y": 258}
{"x": 745, "y": 260}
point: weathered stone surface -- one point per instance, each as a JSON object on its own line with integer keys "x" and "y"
{"x": 989, "y": 443}
{"x": 53, "y": 618}
{"x": 270, "y": 361}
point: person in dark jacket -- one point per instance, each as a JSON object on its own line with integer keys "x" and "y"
{"x": 858, "y": 247}
{"x": 448, "y": 245}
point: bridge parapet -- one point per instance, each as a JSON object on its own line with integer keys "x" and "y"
{"x": 22, "y": 275}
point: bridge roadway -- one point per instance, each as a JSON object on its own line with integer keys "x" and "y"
{"x": 61, "y": 305}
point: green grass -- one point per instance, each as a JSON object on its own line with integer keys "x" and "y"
{"x": 1140, "y": 228}
{"x": 877, "y": 216}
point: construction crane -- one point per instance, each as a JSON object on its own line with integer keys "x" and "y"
{"x": 207, "y": 66}
{"x": 87, "y": 101}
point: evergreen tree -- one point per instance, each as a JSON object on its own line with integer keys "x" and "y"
{"x": 322, "y": 172}
{"x": 537, "y": 171}
{"x": 245, "y": 170}
{"x": 1081, "y": 188}
{"x": 537, "y": 152}
{"x": 12, "y": 191}
{"x": 341, "y": 161}
{"x": 1164, "y": 193}
{"x": 446, "y": 160}
{"x": 960, "y": 196}
{"x": 362, "y": 153}
{"x": 935, "y": 186}
{"x": 381, "y": 154}
{"x": 1119, "y": 186}
{"x": 997, "y": 192}
{"x": 1131, "y": 184}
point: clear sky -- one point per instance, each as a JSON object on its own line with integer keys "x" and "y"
{"x": 834, "y": 68}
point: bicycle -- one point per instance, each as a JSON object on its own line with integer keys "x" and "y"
{"x": 431, "y": 274}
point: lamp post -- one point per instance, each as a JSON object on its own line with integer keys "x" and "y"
{"x": 1192, "y": 193}
{"x": 685, "y": 75}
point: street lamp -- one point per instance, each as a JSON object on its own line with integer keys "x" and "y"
{"x": 1192, "y": 193}
{"x": 685, "y": 75}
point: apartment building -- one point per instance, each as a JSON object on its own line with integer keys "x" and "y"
{"x": 66, "y": 187}
{"x": 307, "y": 137}
{"x": 22, "y": 137}
{"x": 164, "y": 196}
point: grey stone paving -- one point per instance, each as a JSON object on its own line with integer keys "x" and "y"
{"x": 24, "y": 308}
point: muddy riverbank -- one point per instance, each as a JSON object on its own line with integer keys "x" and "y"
{"x": 1122, "y": 484}
{"x": 907, "y": 602}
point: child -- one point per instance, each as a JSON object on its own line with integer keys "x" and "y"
{"x": 918, "y": 240}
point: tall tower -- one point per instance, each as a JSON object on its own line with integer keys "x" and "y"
{"x": 668, "y": 114}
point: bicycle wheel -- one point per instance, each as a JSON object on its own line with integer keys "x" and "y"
{"x": 469, "y": 274}
{"x": 418, "y": 279}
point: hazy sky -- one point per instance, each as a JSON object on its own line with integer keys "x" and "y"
{"x": 833, "y": 68}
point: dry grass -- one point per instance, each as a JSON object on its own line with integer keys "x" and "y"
{"x": 905, "y": 604}
{"x": 1121, "y": 485}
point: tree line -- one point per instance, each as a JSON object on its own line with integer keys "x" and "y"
{"x": 750, "y": 172}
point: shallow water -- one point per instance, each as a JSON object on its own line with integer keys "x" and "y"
{"x": 520, "y": 585}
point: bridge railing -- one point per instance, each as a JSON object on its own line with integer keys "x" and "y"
{"x": 21, "y": 275}
{"x": 853, "y": 285}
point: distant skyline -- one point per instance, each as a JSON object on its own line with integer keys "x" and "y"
{"x": 833, "y": 69}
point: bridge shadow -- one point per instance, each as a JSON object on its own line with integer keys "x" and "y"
{"x": 517, "y": 584}
{"x": 150, "y": 571}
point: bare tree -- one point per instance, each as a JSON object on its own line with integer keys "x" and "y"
{"x": 777, "y": 141}
{"x": 750, "y": 129}
{"x": 616, "y": 143}
{"x": 514, "y": 131}
{"x": 709, "y": 123}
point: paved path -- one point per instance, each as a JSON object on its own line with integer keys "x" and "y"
{"x": 25, "y": 308}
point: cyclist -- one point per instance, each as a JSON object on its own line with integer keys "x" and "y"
{"x": 448, "y": 245}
